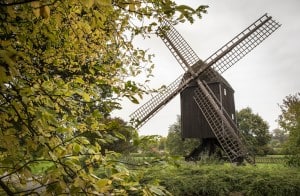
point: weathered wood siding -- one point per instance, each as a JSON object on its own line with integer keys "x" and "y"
{"x": 193, "y": 123}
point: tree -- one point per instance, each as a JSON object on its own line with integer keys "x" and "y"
{"x": 162, "y": 144}
{"x": 64, "y": 65}
{"x": 289, "y": 121}
{"x": 279, "y": 135}
{"x": 175, "y": 144}
{"x": 278, "y": 139}
{"x": 255, "y": 130}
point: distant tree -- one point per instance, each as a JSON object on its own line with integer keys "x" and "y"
{"x": 278, "y": 139}
{"x": 148, "y": 144}
{"x": 162, "y": 144}
{"x": 279, "y": 135}
{"x": 255, "y": 130}
{"x": 289, "y": 121}
{"x": 175, "y": 144}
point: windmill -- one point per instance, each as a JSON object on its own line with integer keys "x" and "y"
{"x": 207, "y": 104}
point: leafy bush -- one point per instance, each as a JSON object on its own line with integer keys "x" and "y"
{"x": 201, "y": 179}
{"x": 293, "y": 160}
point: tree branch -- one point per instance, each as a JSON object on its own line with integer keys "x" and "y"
{"x": 16, "y": 3}
{"x": 30, "y": 191}
{"x": 5, "y": 188}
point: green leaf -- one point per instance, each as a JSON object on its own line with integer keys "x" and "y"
{"x": 76, "y": 148}
{"x": 119, "y": 135}
{"x": 84, "y": 141}
{"x": 133, "y": 99}
{"x": 85, "y": 96}
{"x": 101, "y": 183}
{"x": 79, "y": 80}
{"x": 156, "y": 190}
{"x": 3, "y": 76}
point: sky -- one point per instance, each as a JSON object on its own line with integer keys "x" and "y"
{"x": 261, "y": 80}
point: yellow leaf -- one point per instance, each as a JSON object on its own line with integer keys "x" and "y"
{"x": 3, "y": 76}
{"x": 36, "y": 8}
{"x": 103, "y": 2}
{"x": 131, "y": 7}
{"x": 5, "y": 43}
{"x": 86, "y": 97}
{"x": 78, "y": 182}
{"x": 79, "y": 80}
{"x": 88, "y": 3}
{"x": 103, "y": 185}
{"x": 11, "y": 11}
{"x": 36, "y": 12}
{"x": 45, "y": 11}
{"x": 35, "y": 4}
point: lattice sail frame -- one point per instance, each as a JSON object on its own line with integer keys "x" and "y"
{"x": 179, "y": 48}
{"x": 219, "y": 61}
{"x": 242, "y": 44}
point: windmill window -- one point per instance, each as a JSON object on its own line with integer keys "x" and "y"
{"x": 225, "y": 92}
{"x": 232, "y": 116}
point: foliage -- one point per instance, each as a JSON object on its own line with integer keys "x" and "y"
{"x": 121, "y": 137}
{"x": 255, "y": 130}
{"x": 64, "y": 65}
{"x": 175, "y": 144}
{"x": 162, "y": 144}
{"x": 202, "y": 179}
{"x": 289, "y": 121}
{"x": 278, "y": 140}
{"x": 148, "y": 145}
{"x": 271, "y": 159}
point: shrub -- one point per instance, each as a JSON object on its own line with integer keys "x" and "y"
{"x": 293, "y": 160}
{"x": 201, "y": 179}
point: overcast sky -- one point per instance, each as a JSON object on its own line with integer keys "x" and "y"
{"x": 261, "y": 80}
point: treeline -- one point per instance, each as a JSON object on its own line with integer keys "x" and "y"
{"x": 261, "y": 141}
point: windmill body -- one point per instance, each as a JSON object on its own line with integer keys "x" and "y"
{"x": 193, "y": 122}
{"x": 207, "y": 101}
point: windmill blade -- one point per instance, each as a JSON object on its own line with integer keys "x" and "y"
{"x": 150, "y": 108}
{"x": 180, "y": 49}
{"x": 240, "y": 45}
{"x": 220, "y": 123}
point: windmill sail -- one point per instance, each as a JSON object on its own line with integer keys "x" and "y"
{"x": 150, "y": 108}
{"x": 241, "y": 44}
{"x": 180, "y": 49}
